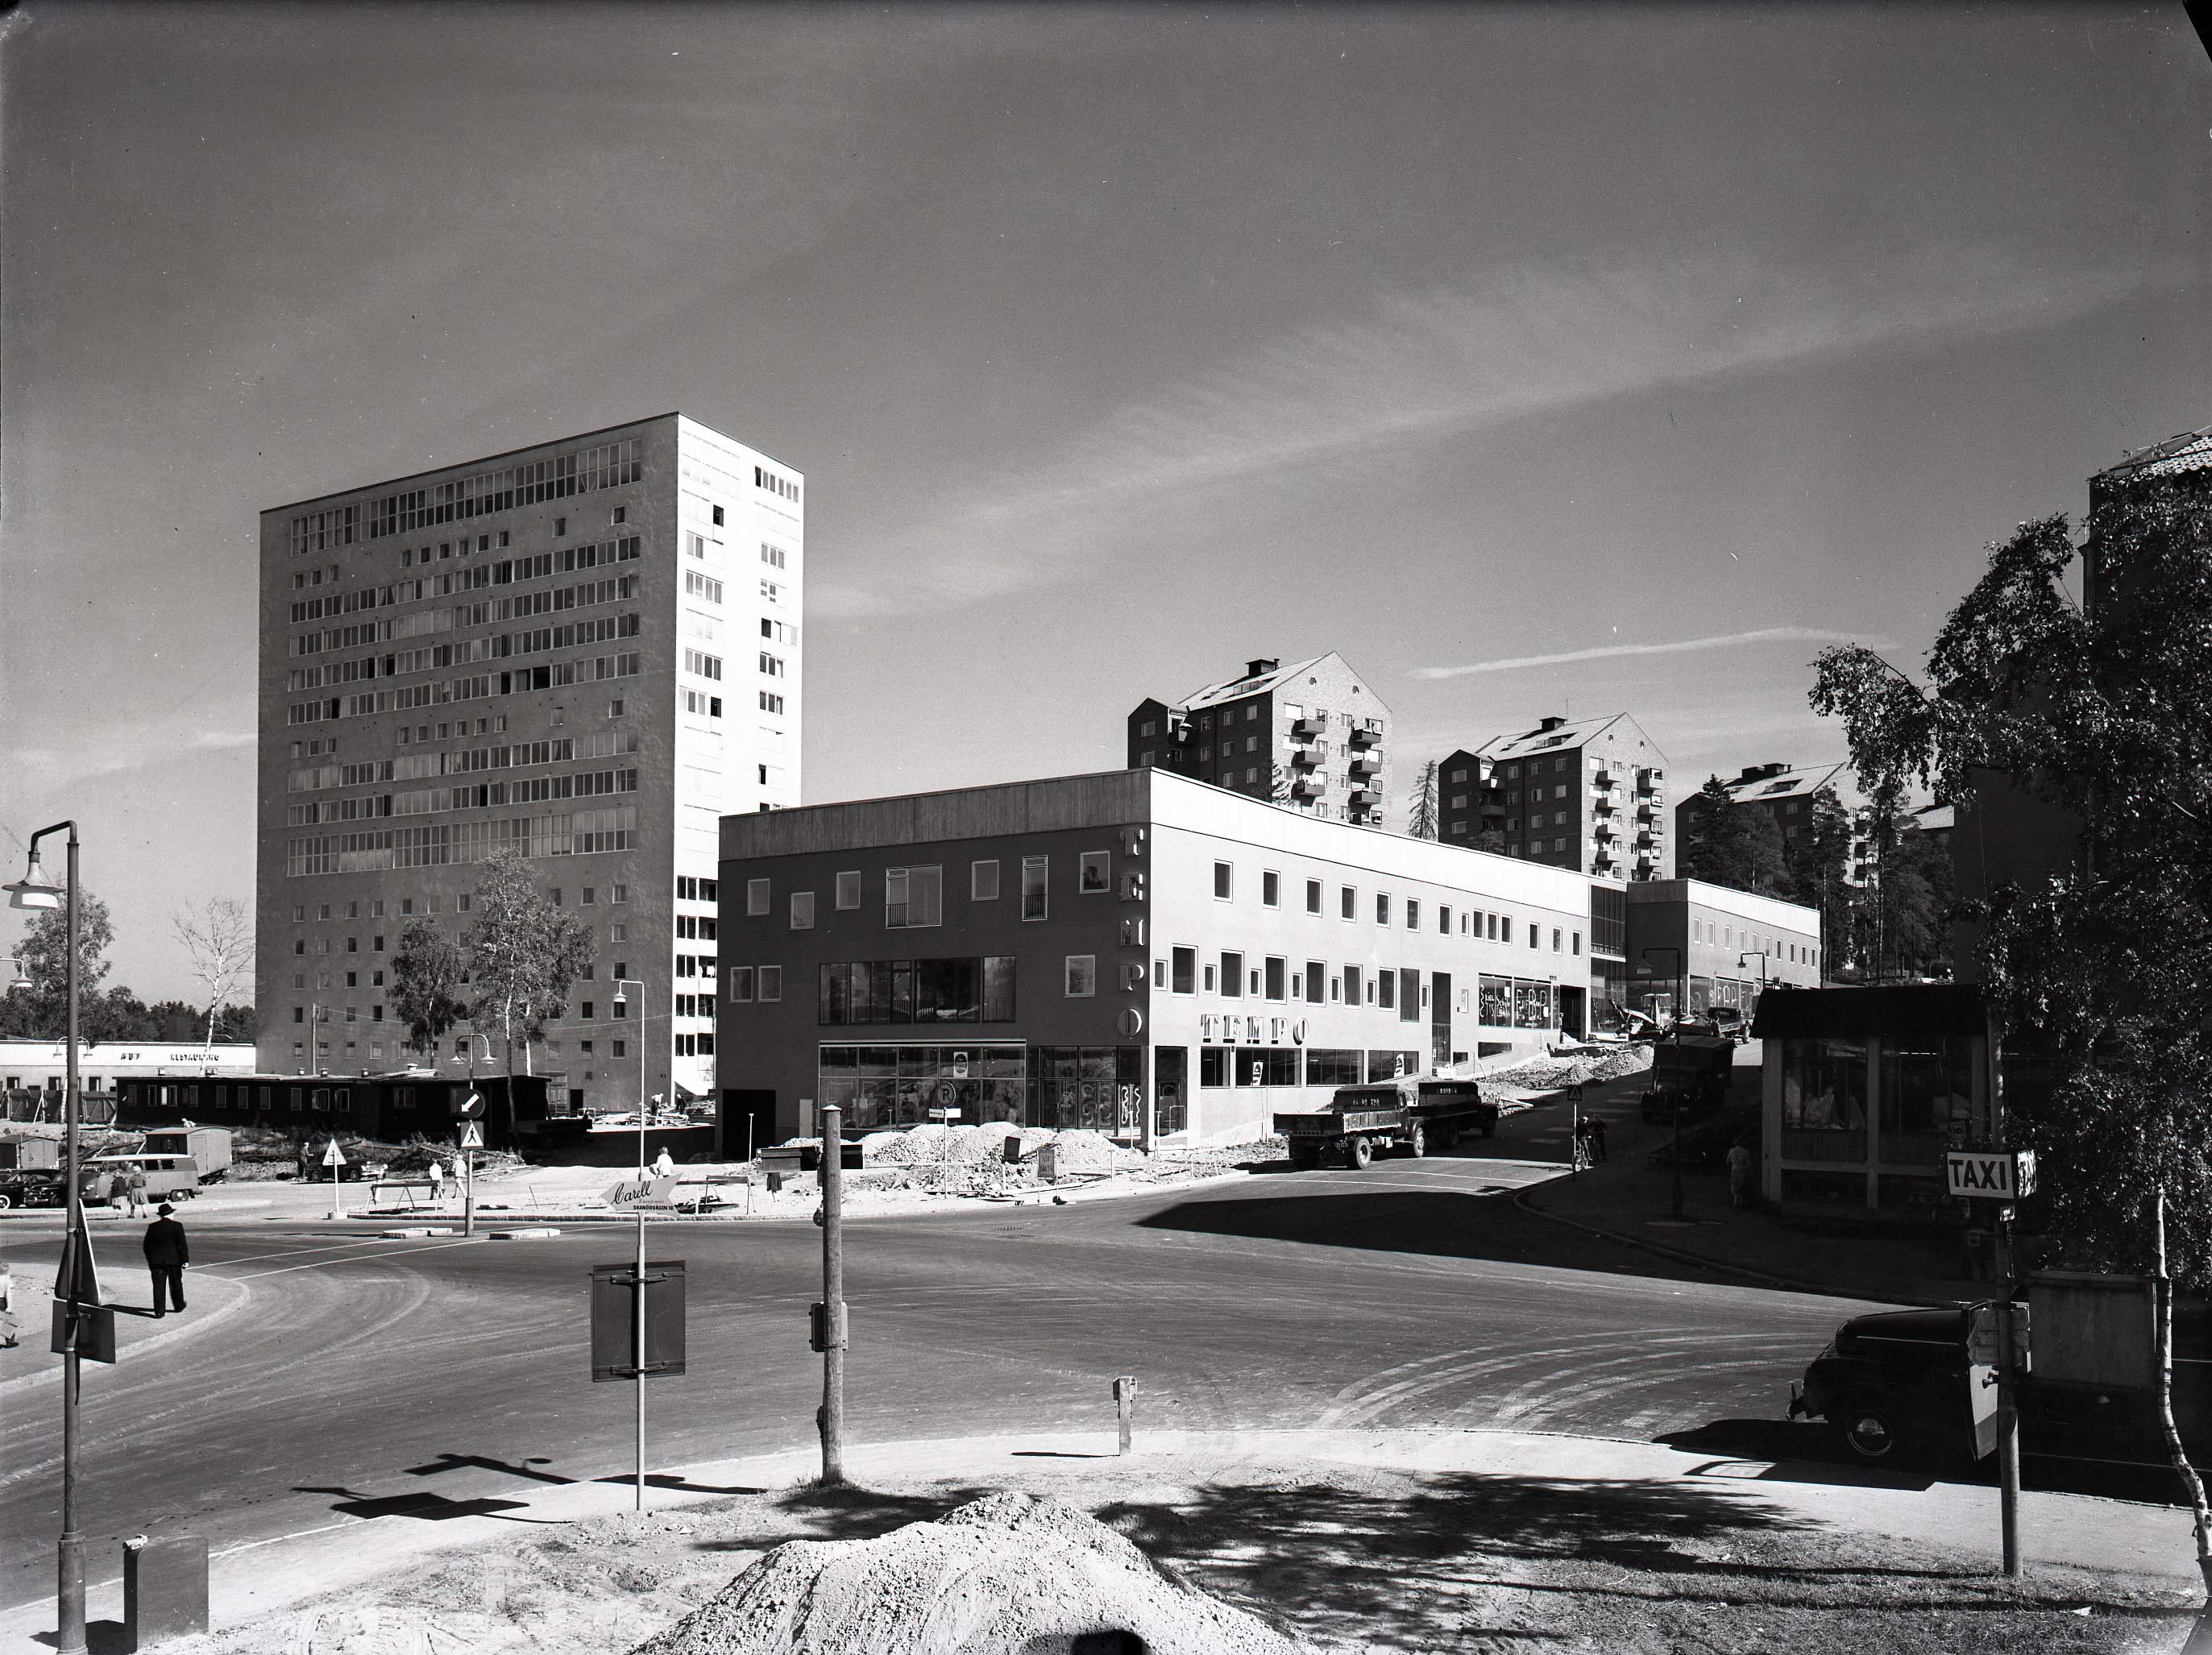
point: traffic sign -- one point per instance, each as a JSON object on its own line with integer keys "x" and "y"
{"x": 472, "y": 1104}
{"x": 334, "y": 1156}
{"x": 945, "y": 1115}
{"x": 614, "y": 1320}
{"x": 1990, "y": 1174}
{"x": 472, "y": 1135}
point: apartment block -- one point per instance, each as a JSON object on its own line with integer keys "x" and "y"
{"x": 1310, "y": 736}
{"x": 1135, "y": 952}
{"x": 1589, "y": 795}
{"x": 1783, "y": 793}
{"x": 587, "y": 651}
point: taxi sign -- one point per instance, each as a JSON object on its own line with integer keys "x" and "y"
{"x": 334, "y": 1156}
{"x": 472, "y": 1135}
{"x": 1990, "y": 1174}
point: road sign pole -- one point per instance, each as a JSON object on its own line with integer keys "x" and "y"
{"x": 640, "y": 1364}
{"x": 468, "y": 1192}
{"x": 2008, "y": 1411}
{"x": 833, "y": 1294}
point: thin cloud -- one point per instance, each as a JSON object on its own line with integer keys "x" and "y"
{"x": 1421, "y": 369}
{"x": 1678, "y": 646}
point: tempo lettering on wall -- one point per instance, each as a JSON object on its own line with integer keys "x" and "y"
{"x": 1990, "y": 1174}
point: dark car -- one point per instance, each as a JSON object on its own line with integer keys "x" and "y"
{"x": 32, "y": 1189}
{"x": 1900, "y": 1387}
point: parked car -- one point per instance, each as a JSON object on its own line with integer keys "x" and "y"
{"x": 32, "y": 1188}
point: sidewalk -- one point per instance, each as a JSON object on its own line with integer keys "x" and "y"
{"x": 1631, "y": 1199}
{"x": 1305, "y": 1489}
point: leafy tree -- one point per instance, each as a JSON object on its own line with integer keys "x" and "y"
{"x": 236, "y": 1022}
{"x": 1902, "y": 912}
{"x": 1490, "y": 839}
{"x": 426, "y": 984}
{"x": 1728, "y": 844}
{"x": 171, "y": 1020}
{"x": 1817, "y": 859}
{"x": 44, "y": 1013}
{"x": 523, "y": 954}
{"x": 119, "y": 1014}
{"x": 218, "y": 939}
{"x": 1421, "y": 804}
{"x": 2098, "y": 964}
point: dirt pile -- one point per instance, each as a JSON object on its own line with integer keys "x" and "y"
{"x": 1584, "y": 1067}
{"x": 1007, "y": 1575}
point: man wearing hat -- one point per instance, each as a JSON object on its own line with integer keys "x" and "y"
{"x": 167, "y": 1255}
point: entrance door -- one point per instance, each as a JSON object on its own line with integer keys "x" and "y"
{"x": 1572, "y": 1005}
{"x": 1440, "y": 1041}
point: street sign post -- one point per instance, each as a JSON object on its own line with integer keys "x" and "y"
{"x": 2002, "y": 1176}
{"x": 334, "y": 1158}
{"x": 471, "y": 1109}
{"x": 83, "y": 1324}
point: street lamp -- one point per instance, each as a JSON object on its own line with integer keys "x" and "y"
{"x": 1759, "y": 955}
{"x": 1681, "y": 1004}
{"x": 36, "y": 891}
{"x": 638, "y": 1324}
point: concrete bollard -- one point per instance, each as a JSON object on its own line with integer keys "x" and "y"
{"x": 165, "y": 1588}
{"x": 1125, "y": 1402}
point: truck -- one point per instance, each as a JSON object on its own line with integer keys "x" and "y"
{"x": 1693, "y": 1069}
{"x": 1408, "y": 1112}
{"x": 176, "y": 1159}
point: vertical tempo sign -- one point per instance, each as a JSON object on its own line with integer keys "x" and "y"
{"x": 2002, "y": 1176}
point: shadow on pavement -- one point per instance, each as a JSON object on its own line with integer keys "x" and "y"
{"x": 848, "y": 1512}
{"x": 100, "y": 1637}
{"x": 431, "y": 1508}
{"x": 1450, "y": 1224}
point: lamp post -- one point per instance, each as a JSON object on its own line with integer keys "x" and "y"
{"x": 1745, "y": 959}
{"x": 638, "y": 1322}
{"x": 1682, "y": 1006}
{"x": 34, "y": 890}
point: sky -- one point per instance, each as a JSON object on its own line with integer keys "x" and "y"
{"x": 1551, "y": 360}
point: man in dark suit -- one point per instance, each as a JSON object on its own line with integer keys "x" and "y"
{"x": 167, "y": 1255}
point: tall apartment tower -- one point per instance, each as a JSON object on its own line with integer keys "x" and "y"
{"x": 546, "y": 649}
{"x": 1589, "y": 795}
{"x": 1310, "y": 736}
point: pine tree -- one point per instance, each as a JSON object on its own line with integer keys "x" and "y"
{"x": 1421, "y": 804}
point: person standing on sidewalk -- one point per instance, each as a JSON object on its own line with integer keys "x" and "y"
{"x": 1739, "y": 1172}
{"x": 1596, "y": 1138}
{"x": 134, "y": 1189}
{"x": 437, "y": 1178}
{"x": 167, "y": 1255}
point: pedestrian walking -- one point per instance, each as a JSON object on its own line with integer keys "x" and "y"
{"x": 437, "y": 1178}
{"x": 306, "y": 1164}
{"x": 167, "y": 1255}
{"x": 1596, "y": 1137}
{"x": 134, "y": 1189}
{"x": 7, "y": 1339}
{"x": 1582, "y": 1142}
{"x": 1739, "y": 1172}
{"x": 665, "y": 1167}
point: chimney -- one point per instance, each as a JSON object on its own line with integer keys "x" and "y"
{"x": 1254, "y": 669}
{"x": 1551, "y": 723}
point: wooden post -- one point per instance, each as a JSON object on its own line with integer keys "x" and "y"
{"x": 1125, "y": 1401}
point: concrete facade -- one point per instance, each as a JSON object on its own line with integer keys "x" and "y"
{"x": 1311, "y": 735}
{"x": 587, "y": 649}
{"x": 1589, "y": 795}
{"x": 1140, "y": 942}
{"x": 1722, "y": 934}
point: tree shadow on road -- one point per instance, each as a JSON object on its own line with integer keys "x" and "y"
{"x": 1442, "y": 1223}
{"x": 845, "y": 1511}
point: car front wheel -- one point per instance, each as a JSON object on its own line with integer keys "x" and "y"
{"x": 1872, "y": 1432}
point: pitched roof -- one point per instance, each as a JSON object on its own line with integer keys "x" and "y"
{"x": 1232, "y": 690}
{"x": 1575, "y": 733}
{"x": 2190, "y": 451}
{"x": 1789, "y": 783}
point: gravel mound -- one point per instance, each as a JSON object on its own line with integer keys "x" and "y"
{"x": 1007, "y": 1575}
{"x": 1583, "y": 1068}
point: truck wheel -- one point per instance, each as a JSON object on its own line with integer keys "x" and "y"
{"x": 1359, "y": 1152}
{"x": 1872, "y": 1431}
{"x": 1417, "y": 1142}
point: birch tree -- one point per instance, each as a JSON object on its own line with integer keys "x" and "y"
{"x": 218, "y": 940}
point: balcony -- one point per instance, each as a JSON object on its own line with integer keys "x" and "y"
{"x": 1364, "y": 799}
{"x": 1644, "y": 841}
{"x": 1649, "y": 782}
{"x": 1309, "y": 787}
{"x": 1647, "y": 811}
{"x": 1309, "y": 728}
{"x": 1603, "y": 779}
{"x": 1363, "y": 736}
{"x": 1306, "y": 758}
{"x": 1365, "y": 765}
{"x": 1605, "y": 833}
{"x": 1179, "y": 730}
{"x": 1601, "y": 809}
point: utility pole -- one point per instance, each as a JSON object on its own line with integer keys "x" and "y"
{"x": 833, "y": 1294}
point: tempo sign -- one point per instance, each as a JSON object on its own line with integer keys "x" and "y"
{"x": 1992, "y": 1174}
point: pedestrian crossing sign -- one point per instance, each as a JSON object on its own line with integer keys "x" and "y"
{"x": 473, "y": 1136}
{"x": 334, "y": 1156}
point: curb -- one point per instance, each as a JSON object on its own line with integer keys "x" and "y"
{"x": 1682, "y": 1256}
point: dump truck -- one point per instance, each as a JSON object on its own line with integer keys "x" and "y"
{"x": 1409, "y": 1113}
{"x": 1692, "y": 1068}
{"x": 176, "y": 1159}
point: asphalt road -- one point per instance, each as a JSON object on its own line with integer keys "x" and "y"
{"x": 400, "y": 1381}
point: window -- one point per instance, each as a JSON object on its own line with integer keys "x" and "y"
{"x": 913, "y": 897}
{"x": 802, "y": 911}
{"x": 1413, "y": 913}
{"x": 983, "y": 881}
{"x": 771, "y": 701}
{"x": 848, "y": 890}
{"x": 1277, "y": 973}
{"x": 1349, "y": 902}
{"x": 1232, "y": 974}
{"x": 1212, "y": 980}
{"x": 1577, "y": 948}
{"x": 1082, "y": 976}
{"x": 1555, "y": 939}
{"x": 1271, "y": 889}
{"x": 1352, "y": 987}
{"x": 1409, "y": 995}
{"x": 1223, "y": 882}
{"x": 773, "y": 556}
{"x": 707, "y": 666}
{"x": 771, "y": 982}
{"x": 1183, "y": 969}
{"x": 741, "y": 984}
{"x": 1034, "y": 904}
{"x": 755, "y": 898}
{"x": 1382, "y": 907}
{"x": 1386, "y": 989}
{"x": 770, "y": 664}
{"x": 1535, "y": 935}
{"x": 1094, "y": 872}
{"x": 1313, "y": 896}
{"x": 718, "y": 517}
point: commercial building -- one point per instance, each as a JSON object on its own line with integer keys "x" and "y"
{"x": 1781, "y": 792}
{"x": 1310, "y": 736}
{"x": 543, "y": 649}
{"x": 1134, "y": 951}
{"x": 1718, "y": 945}
{"x": 1588, "y": 794}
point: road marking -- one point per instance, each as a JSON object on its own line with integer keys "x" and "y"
{"x": 387, "y": 1252}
